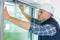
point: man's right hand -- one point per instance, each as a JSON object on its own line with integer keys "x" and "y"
{"x": 24, "y": 13}
{"x": 21, "y": 8}
{"x": 6, "y": 15}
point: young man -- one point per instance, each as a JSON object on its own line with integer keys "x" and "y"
{"x": 45, "y": 26}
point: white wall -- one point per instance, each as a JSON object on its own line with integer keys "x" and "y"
{"x": 44, "y": 1}
{"x": 56, "y": 4}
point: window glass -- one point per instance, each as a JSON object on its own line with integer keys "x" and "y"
{"x": 12, "y": 31}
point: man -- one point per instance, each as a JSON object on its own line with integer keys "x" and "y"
{"x": 45, "y": 26}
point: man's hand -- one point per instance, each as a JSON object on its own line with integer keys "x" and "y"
{"x": 24, "y": 13}
{"x": 6, "y": 15}
{"x": 21, "y": 8}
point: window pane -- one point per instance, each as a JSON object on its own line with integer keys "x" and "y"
{"x": 12, "y": 31}
{"x": 35, "y": 15}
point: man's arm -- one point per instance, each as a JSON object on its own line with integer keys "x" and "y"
{"x": 24, "y": 13}
{"x": 42, "y": 30}
{"x": 45, "y": 30}
{"x": 20, "y": 23}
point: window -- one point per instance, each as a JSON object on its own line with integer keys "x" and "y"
{"x": 35, "y": 15}
{"x": 12, "y": 31}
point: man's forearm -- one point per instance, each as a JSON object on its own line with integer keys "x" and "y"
{"x": 20, "y": 23}
{"x": 27, "y": 16}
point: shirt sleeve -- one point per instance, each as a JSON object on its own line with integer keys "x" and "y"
{"x": 35, "y": 21}
{"x": 42, "y": 30}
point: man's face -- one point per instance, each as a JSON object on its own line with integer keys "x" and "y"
{"x": 43, "y": 15}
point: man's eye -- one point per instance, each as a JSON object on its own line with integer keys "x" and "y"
{"x": 40, "y": 11}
